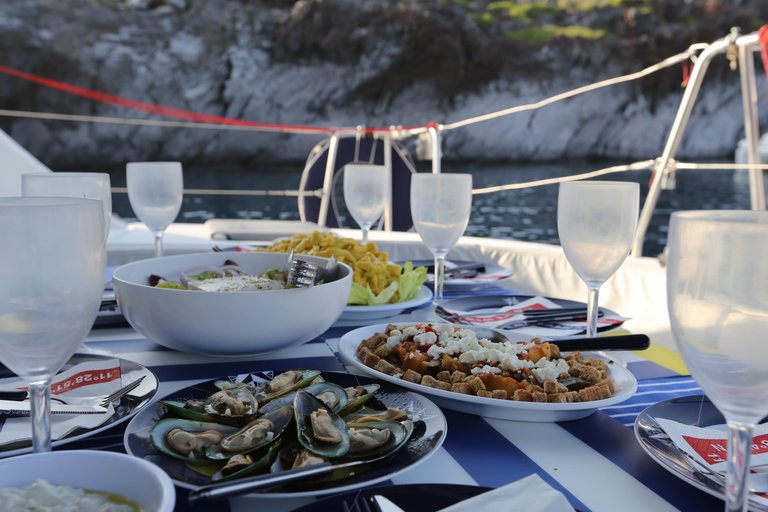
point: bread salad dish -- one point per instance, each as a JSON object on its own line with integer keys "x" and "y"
{"x": 450, "y": 358}
{"x": 227, "y": 278}
{"x": 375, "y": 281}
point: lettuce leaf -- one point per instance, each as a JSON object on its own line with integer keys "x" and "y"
{"x": 410, "y": 280}
{"x": 365, "y": 297}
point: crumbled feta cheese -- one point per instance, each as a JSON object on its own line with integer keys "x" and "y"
{"x": 485, "y": 369}
{"x": 425, "y": 338}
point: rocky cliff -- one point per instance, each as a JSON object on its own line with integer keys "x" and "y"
{"x": 371, "y": 62}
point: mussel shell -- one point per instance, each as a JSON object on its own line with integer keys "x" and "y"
{"x": 322, "y": 387}
{"x": 371, "y": 415}
{"x": 265, "y": 394}
{"x": 157, "y": 436}
{"x": 228, "y": 385}
{"x": 240, "y": 393}
{"x": 357, "y": 402}
{"x": 304, "y": 405}
{"x": 314, "y": 389}
{"x": 180, "y": 410}
{"x": 260, "y": 465}
{"x": 281, "y": 418}
{"x": 399, "y": 434}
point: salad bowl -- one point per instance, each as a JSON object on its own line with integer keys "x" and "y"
{"x": 227, "y": 323}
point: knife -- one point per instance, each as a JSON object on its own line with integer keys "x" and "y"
{"x": 480, "y": 267}
{"x": 15, "y": 407}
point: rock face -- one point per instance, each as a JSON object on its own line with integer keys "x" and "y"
{"x": 342, "y": 63}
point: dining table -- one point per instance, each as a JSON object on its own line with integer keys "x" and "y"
{"x": 596, "y": 462}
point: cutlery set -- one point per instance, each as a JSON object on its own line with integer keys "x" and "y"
{"x": 529, "y": 317}
{"x": 16, "y": 401}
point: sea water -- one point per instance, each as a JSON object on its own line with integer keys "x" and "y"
{"x": 527, "y": 214}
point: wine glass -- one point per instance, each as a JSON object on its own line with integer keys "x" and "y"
{"x": 596, "y": 222}
{"x": 366, "y": 188}
{"x": 440, "y": 206}
{"x": 92, "y": 185}
{"x": 53, "y": 264}
{"x": 718, "y": 309}
{"x": 155, "y": 190}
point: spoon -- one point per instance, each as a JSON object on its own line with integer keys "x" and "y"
{"x": 273, "y": 480}
{"x": 618, "y": 342}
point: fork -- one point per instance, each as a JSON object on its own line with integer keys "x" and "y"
{"x": 21, "y": 395}
{"x": 362, "y": 504}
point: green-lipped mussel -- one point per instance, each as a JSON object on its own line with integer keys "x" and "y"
{"x": 320, "y": 430}
{"x": 187, "y": 440}
{"x": 260, "y": 432}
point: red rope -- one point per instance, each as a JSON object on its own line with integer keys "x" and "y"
{"x": 173, "y": 113}
{"x": 686, "y": 73}
{"x": 763, "y": 38}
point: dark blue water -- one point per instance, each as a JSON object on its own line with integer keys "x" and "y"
{"x": 528, "y": 214}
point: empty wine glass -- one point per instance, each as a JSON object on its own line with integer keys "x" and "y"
{"x": 155, "y": 190}
{"x": 440, "y": 206}
{"x": 596, "y": 222}
{"x": 366, "y": 188}
{"x": 718, "y": 308}
{"x": 54, "y": 259}
{"x": 92, "y": 185}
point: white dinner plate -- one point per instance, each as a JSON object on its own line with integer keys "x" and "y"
{"x": 428, "y": 435}
{"x": 491, "y": 275}
{"x": 130, "y": 404}
{"x": 422, "y": 296}
{"x": 625, "y": 383}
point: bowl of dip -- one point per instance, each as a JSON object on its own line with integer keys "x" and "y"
{"x": 228, "y": 322}
{"x": 84, "y": 480}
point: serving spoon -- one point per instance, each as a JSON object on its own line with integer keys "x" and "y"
{"x": 271, "y": 481}
{"x": 618, "y": 342}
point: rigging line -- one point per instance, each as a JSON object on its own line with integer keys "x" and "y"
{"x": 670, "y": 61}
{"x": 219, "y": 192}
{"x": 637, "y": 166}
{"x": 182, "y": 124}
{"x": 692, "y": 166}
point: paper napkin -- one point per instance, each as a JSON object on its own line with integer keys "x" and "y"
{"x": 532, "y": 490}
{"x": 709, "y": 445}
{"x": 90, "y": 378}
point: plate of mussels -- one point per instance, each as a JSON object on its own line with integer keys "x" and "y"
{"x": 219, "y": 431}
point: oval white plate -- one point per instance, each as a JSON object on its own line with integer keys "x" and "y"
{"x": 625, "y": 383}
{"x": 422, "y": 296}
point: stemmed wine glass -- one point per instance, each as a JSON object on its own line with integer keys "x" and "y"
{"x": 53, "y": 264}
{"x": 366, "y": 188}
{"x": 718, "y": 307}
{"x": 440, "y": 206}
{"x": 596, "y": 222}
{"x": 93, "y": 185}
{"x": 155, "y": 190}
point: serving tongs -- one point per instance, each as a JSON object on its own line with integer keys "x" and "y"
{"x": 271, "y": 481}
{"x": 305, "y": 274}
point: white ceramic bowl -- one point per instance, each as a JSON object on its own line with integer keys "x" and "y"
{"x": 227, "y": 323}
{"x": 131, "y": 477}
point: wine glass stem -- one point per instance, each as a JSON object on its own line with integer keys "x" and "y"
{"x": 439, "y": 277}
{"x": 158, "y": 243}
{"x": 592, "y": 309}
{"x": 739, "y": 448}
{"x": 365, "y": 235}
{"x": 40, "y": 411}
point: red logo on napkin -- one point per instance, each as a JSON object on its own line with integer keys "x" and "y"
{"x": 86, "y": 378}
{"x": 714, "y": 450}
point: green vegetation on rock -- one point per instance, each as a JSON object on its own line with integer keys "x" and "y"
{"x": 547, "y": 32}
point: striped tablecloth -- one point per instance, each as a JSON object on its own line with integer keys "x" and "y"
{"x": 596, "y": 462}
